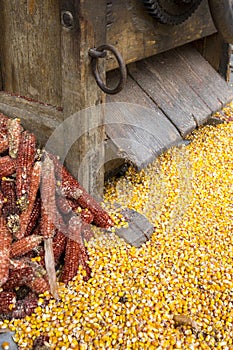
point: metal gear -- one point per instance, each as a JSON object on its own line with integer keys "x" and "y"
{"x": 171, "y": 12}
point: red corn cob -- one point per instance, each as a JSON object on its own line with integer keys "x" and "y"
{"x": 59, "y": 243}
{"x": 26, "y": 214}
{"x": 17, "y": 278}
{"x": 48, "y": 205}
{"x": 82, "y": 261}
{"x": 73, "y": 250}
{"x": 9, "y": 192}
{"x": 86, "y": 215}
{"x": 63, "y": 204}
{"x": 7, "y": 300}
{"x": 3, "y": 133}
{"x": 30, "y": 302}
{"x": 2, "y": 200}
{"x": 86, "y": 232}
{"x": 35, "y": 215}
{"x": 7, "y": 166}
{"x": 38, "y": 285}
{"x": 6, "y": 239}
{"x": 14, "y": 131}
{"x": 25, "y": 307}
{"x": 25, "y": 245}
{"x": 71, "y": 188}
{"x": 25, "y": 160}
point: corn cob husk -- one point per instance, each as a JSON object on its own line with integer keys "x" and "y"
{"x": 7, "y": 166}
{"x": 14, "y": 130}
{"x": 6, "y": 239}
{"x": 7, "y": 301}
{"x": 50, "y": 267}
{"x": 25, "y": 245}
{"x": 25, "y": 161}
{"x": 72, "y": 189}
{"x": 48, "y": 192}
{"x": 26, "y": 215}
{"x": 9, "y": 193}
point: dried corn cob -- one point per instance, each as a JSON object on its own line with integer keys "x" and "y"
{"x": 38, "y": 285}
{"x": 7, "y": 301}
{"x": 48, "y": 205}
{"x": 14, "y": 130}
{"x": 25, "y": 216}
{"x": 86, "y": 215}
{"x": 17, "y": 278}
{"x": 86, "y": 232}
{"x": 34, "y": 217}
{"x": 82, "y": 261}
{"x": 9, "y": 192}
{"x": 7, "y": 166}
{"x": 63, "y": 204}
{"x": 71, "y": 188}
{"x": 25, "y": 307}
{"x": 25, "y": 245}
{"x": 2, "y": 200}
{"x": 3, "y": 133}
{"x": 25, "y": 160}
{"x": 6, "y": 239}
{"x": 59, "y": 243}
{"x": 73, "y": 250}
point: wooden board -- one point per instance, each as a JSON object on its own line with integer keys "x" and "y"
{"x": 139, "y": 131}
{"x": 165, "y": 98}
{"x": 183, "y": 85}
{"x": 137, "y": 35}
{"x": 80, "y": 91}
{"x": 208, "y": 84}
{"x": 30, "y": 51}
{"x": 139, "y": 228}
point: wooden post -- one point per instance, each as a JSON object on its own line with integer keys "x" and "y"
{"x": 83, "y": 27}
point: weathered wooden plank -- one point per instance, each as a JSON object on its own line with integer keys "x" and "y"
{"x": 217, "y": 52}
{"x": 169, "y": 94}
{"x": 205, "y": 80}
{"x": 137, "y": 128}
{"x": 137, "y": 35}
{"x": 80, "y": 91}
{"x": 139, "y": 228}
{"x": 30, "y": 49}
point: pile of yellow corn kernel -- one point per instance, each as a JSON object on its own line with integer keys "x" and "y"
{"x": 185, "y": 269}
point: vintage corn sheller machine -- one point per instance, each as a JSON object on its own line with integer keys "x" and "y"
{"x": 176, "y": 53}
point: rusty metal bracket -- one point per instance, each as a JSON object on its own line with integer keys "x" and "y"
{"x": 100, "y": 52}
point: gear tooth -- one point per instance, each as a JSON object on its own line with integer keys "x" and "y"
{"x": 157, "y": 9}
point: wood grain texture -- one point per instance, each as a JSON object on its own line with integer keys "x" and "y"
{"x": 80, "y": 91}
{"x": 183, "y": 85}
{"x": 137, "y": 35}
{"x": 138, "y": 130}
{"x": 30, "y": 49}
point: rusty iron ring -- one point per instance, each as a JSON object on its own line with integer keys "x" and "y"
{"x": 100, "y": 52}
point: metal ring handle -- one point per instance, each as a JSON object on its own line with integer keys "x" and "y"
{"x": 122, "y": 68}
